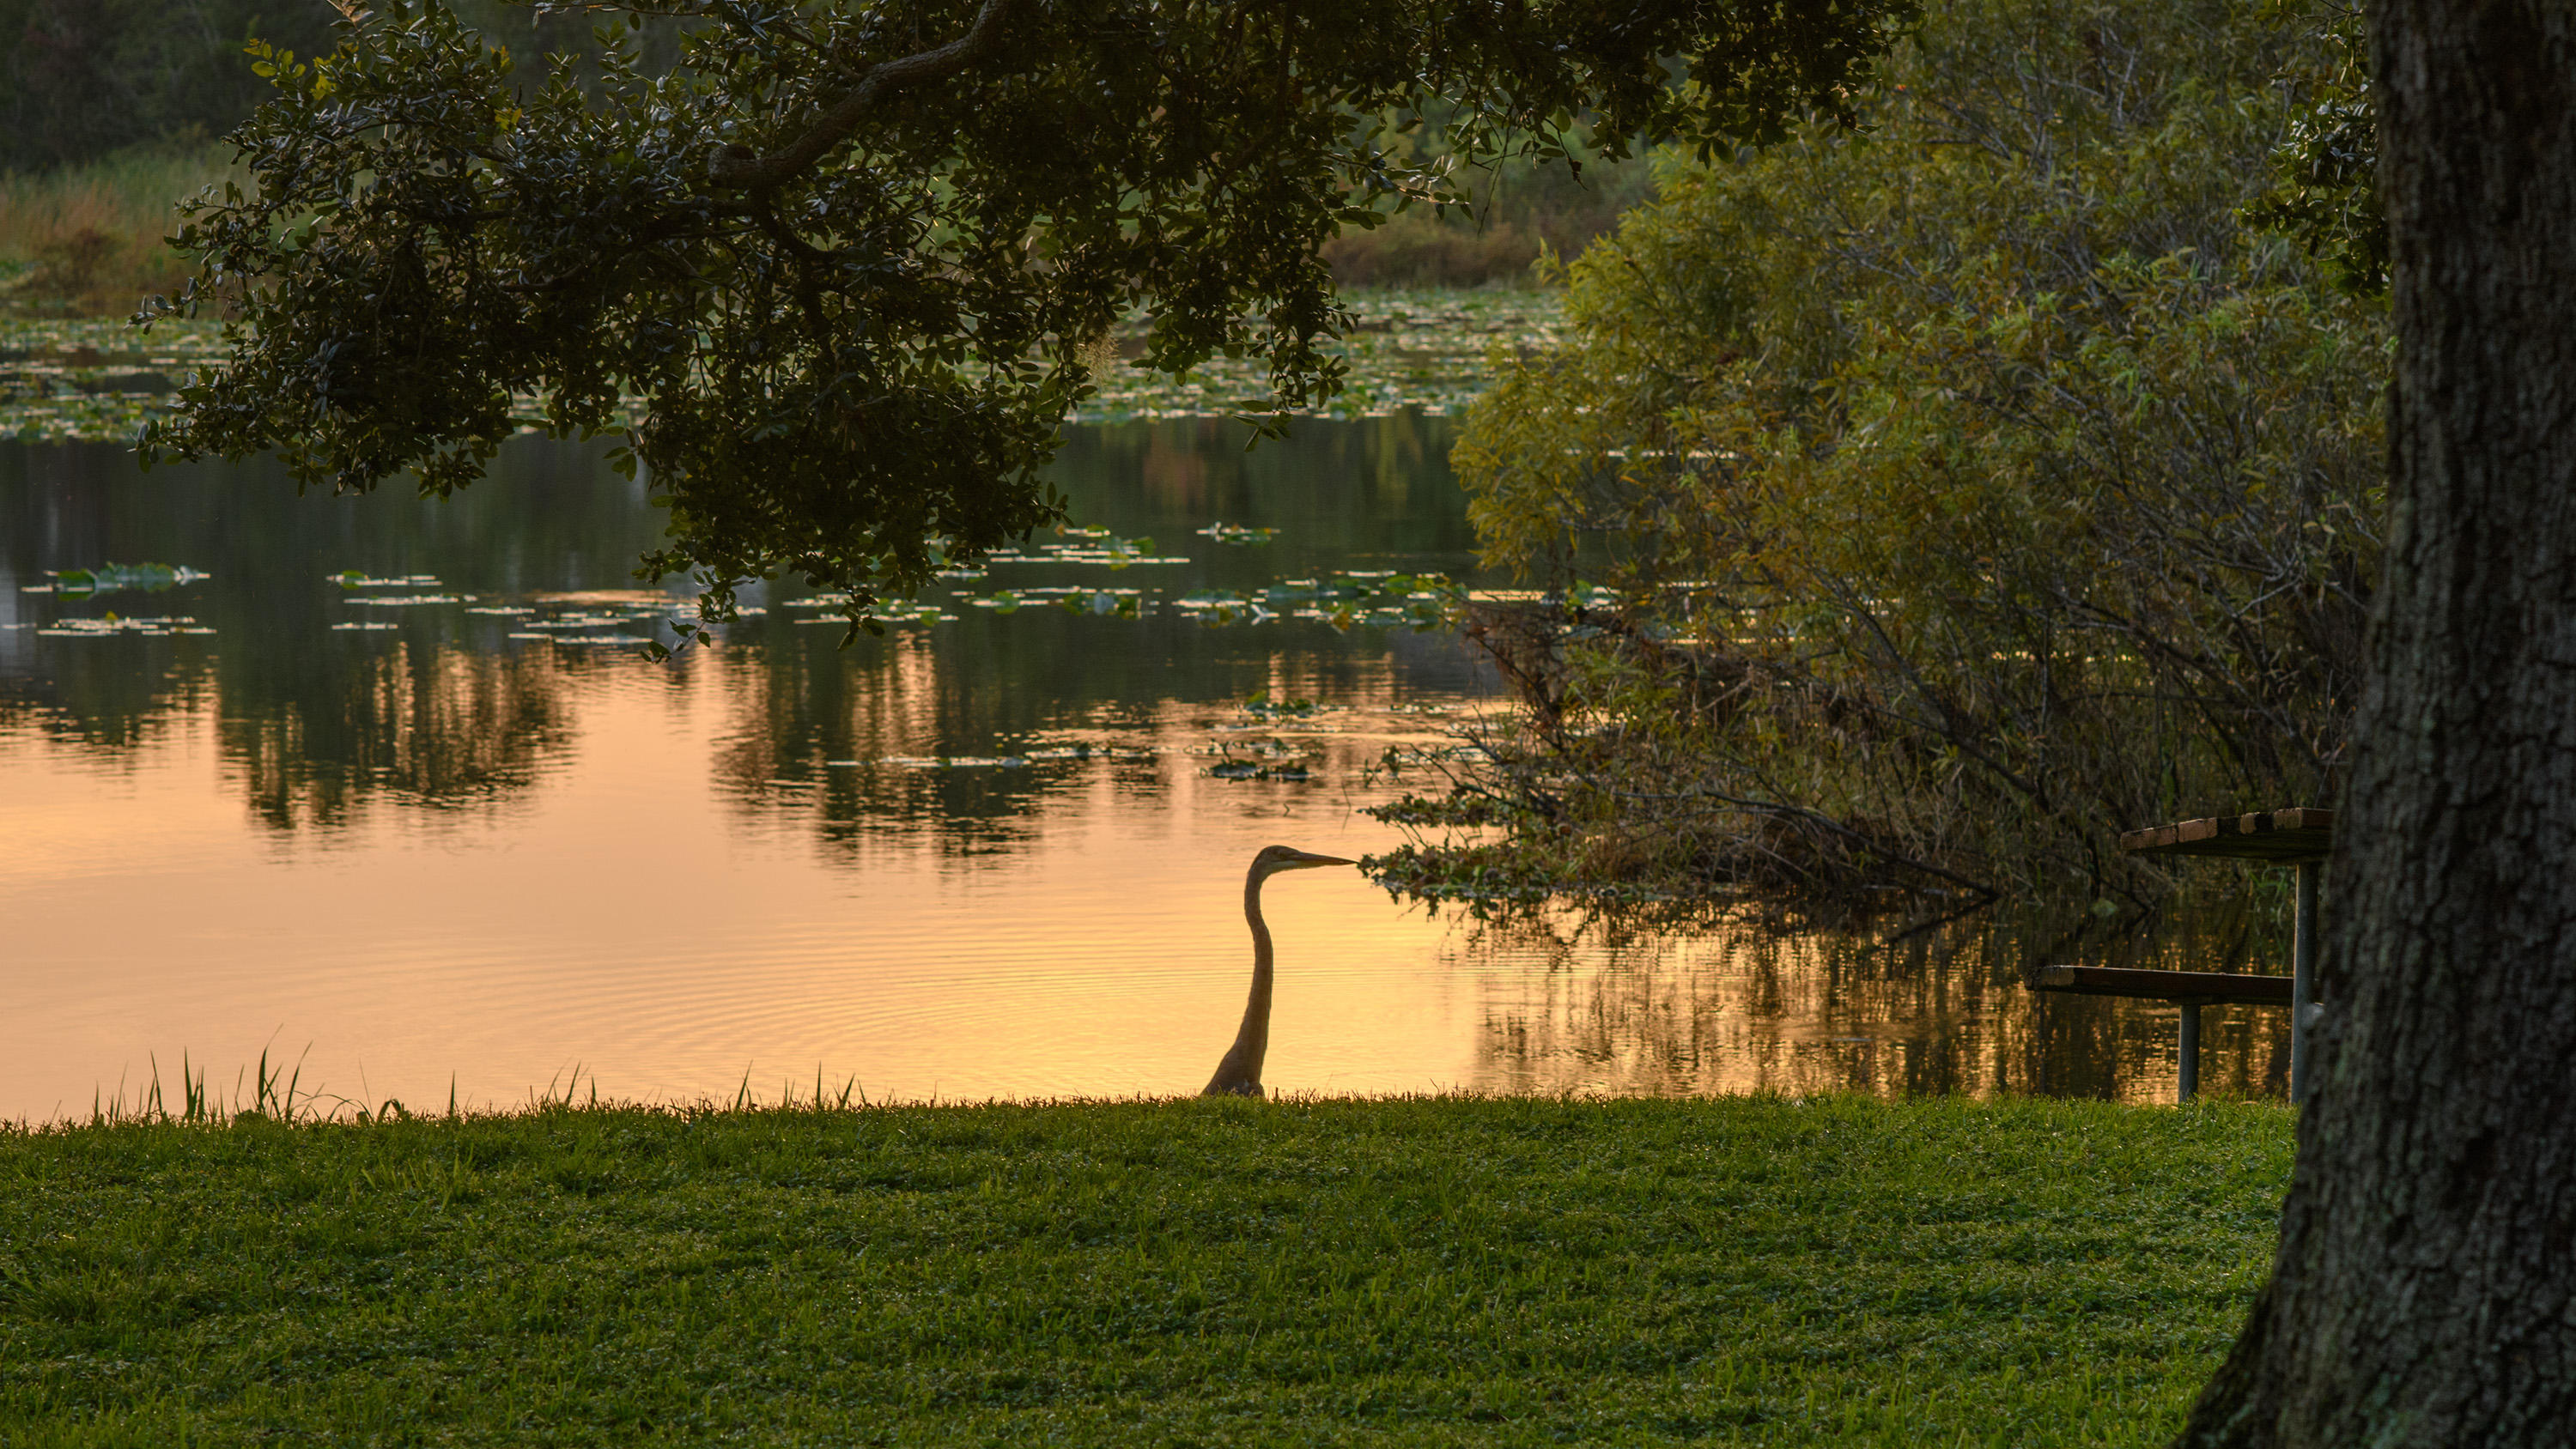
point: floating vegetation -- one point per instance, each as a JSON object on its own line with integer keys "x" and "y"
{"x": 1417, "y": 601}
{"x": 114, "y": 578}
{"x": 1044, "y": 755}
{"x": 360, "y": 579}
{"x": 1375, "y": 597}
{"x": 93, "y": 379}
{"x": 112, "y": 625}
{"x": 1264, "y": 707}
{"x": 364, "y": 626}
{"x": 594, "y": 618}
{"x": 1222, "y": 608}
{"x": 1426, "y": 350}
{"x": 888, "y": 611}
{"x": 1114, "y": 603}
{"x": 1260, "y": 749}
{"x": 1256, "y": 760}
{"x": 1241, "y": 533}
{"x": 1091, "y": 546}
{"x": 1089, "y": 752}
{"x": 398, "y": 601}
{"x": 649, "y": 601}
{"x": 1250, "y": 770}
{"x": 578, "y": 640}
{"x": 583, "y": 619}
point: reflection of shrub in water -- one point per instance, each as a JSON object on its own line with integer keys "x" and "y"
{"x": 1738, "y": 1003}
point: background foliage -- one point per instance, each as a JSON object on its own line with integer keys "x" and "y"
{"x": 1969, "y": 490}
{"x": 80, "y": 79}
{"x": 83, "y": 79}
{"x": 858, "y": 262}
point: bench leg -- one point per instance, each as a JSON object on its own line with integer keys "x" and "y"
{"x": 2187, "y": 1079}
{"x": 2303, "y": 977}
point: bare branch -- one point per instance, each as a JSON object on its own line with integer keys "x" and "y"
{"x": 737, "y": 169}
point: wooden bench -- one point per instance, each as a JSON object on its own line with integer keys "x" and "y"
{"x": 2203, "y": 986}
{"x": 2301, "y": 838}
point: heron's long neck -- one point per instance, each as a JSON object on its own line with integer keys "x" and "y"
{"x": 1252, "y": 1043}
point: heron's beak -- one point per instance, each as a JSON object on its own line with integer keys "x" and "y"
{"x": 1308, "y": 861}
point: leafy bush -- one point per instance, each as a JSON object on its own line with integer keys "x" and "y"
{"x": 82, "y": 79}
{"x": 1969, "y": 490}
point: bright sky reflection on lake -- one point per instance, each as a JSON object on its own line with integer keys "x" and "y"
{"x": 428, "y": 852}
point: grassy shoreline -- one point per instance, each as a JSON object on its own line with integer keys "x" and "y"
{"x": 1416, "y": 1271}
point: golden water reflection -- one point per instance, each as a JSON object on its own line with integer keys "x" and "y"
{"x": 1594, "y": 1007}
{"x": 443, "y": 856}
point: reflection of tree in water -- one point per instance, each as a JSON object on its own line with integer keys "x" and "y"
{"x": 1373, "y": 494}
{"x": 989, "y": 685}
{"x": 440, "y": 714}
{"x": 1594, "y": 1005}
{"x": 1347, "y": 487}
{"x": 434, "y": 725}
{"x": 115, "y": 693}
{"x": 312, "y": 733}
{"x": 799, "y": 702}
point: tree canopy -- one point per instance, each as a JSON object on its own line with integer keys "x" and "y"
{"x": 838, "y": 273}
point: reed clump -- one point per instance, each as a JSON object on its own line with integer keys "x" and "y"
{"x": 89, "y": 240}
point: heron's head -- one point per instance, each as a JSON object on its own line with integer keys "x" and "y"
{"x": 1276, "y": 858}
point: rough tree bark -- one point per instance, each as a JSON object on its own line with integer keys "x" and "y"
{"x": 2425, "y": 1292}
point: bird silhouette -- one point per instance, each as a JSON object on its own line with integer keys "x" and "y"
{"x": 1239, "y": 1075}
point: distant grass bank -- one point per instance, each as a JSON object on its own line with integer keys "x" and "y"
{"x": 1439, "y": 1271}
{"x": 87, "y": 241}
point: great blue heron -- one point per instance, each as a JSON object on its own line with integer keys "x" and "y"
{"x": 1239, "y": 1075}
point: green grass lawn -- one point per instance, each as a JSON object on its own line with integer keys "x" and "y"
{"x": 1433, "y": 1271}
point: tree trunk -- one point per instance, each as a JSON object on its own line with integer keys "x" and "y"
{"x": 2425, "y": 1292}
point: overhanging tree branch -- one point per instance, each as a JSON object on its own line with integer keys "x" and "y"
{"x": 738, "y": 168}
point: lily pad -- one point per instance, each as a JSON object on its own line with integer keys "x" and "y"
{"x": 113, "y": 578}
{"x": 359, "y": 579}
{"x": 1239, "y": 533}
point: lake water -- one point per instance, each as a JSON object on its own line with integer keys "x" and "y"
{"x": 444, "y": 830}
